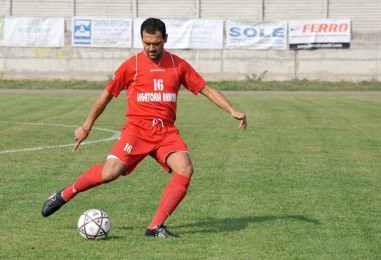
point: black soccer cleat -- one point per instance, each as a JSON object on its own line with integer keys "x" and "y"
{"x": 160, "y": 231}
{"x": 52, "y": 204}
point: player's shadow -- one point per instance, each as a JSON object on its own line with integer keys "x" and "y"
{"x": 234, "y": 224}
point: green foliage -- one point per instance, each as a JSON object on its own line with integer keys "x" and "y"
{"x": 253, "y": 82}
{"x": 52, "y": 84}
{"x": 257, "y": 83}
{"x": 302, "y": 182}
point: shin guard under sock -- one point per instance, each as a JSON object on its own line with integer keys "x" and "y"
{"x": 172, "y": 196}
{"x": 89, "y": 179}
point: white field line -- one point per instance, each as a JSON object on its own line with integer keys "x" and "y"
{"x": 115, "y": 135}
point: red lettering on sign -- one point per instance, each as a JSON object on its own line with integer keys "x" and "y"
{"x": 323, "y": 27}
{"x": 333, "y": 28}
{"x": 343, "y": 27}
{"x": 317, "y": 28}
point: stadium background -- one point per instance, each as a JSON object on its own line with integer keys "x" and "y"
{"x": 361, "y": 62}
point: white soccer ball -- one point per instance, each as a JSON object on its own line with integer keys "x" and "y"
{"x": 94, "y": 224}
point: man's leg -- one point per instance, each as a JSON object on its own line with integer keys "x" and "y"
{"x": 174, "y": 193}
{"x": 94, "y": 176}
{"x": 89, "y": 179}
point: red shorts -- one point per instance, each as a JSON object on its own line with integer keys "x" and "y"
{"x": 140, "y": 138}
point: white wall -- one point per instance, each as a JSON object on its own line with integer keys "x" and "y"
{"x": 360, "y": 62}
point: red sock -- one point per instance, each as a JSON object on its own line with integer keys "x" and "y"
{"x": 173, "y": 194}
{"x": 89, "y": 179}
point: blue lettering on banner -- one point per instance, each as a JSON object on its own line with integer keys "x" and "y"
{"x": 82, "y": 31}
{"x": 279, "y": 33}
{"x": 251, "y": 32}
{"x": 234, "y": 32}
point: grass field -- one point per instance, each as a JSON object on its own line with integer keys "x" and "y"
{"x": 302, "y": 182}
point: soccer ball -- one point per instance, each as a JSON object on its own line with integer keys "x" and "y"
{"x": 94, "y": 224}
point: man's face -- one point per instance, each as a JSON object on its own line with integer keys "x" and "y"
{"x": 153, "y": 44}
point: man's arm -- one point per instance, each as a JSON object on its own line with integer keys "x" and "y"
{"x": 220, "y": 100}
{"x": 99, "y": 106}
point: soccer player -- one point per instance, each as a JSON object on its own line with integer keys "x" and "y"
{"x": 151, "y": 79}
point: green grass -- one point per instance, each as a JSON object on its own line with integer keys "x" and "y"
{"x": 249, "y": 84}
{"x": 302, "y": 182}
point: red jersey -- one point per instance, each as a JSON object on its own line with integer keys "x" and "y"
{"x": 151, "y": 88}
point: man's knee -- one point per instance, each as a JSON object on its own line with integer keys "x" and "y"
{"x": 113, "y": 169}
{"x": 188, "y": 170}
{"x": 185, "y": 169}
{"x": 181, "y": 163}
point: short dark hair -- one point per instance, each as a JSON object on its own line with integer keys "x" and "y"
{"x": 152, "y": 25}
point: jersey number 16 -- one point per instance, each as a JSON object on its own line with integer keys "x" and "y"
{"x": 158, "y": 84}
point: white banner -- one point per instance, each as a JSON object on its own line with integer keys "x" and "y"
{"x": 187, "y": 34}
{"x": 322, "y": 33}
{"x": 256, "y": 35}
{"x": 1, "y": 30}
{"x": 101, "y": 32}
{"x": 34, "y": 31}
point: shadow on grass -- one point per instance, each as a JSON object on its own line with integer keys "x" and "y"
{"x": 234, "y": 224}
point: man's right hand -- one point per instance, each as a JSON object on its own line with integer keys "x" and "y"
{"x": 80, "y": 135}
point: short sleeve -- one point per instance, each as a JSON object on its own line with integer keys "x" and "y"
{"x": 120, "y": 79}
{"x": 191, "y": 79}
